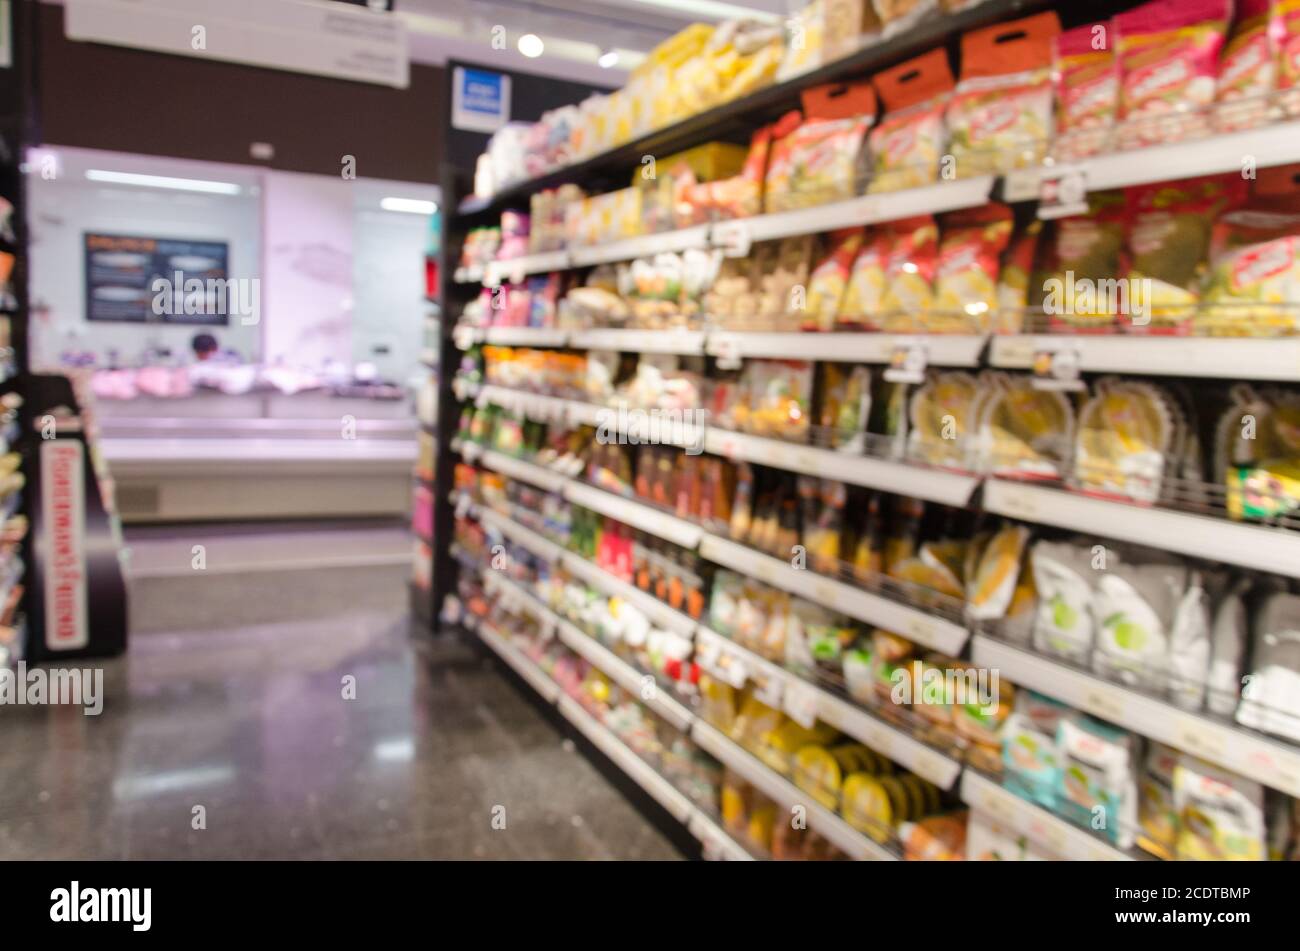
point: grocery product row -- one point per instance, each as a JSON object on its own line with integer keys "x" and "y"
{"x": 1207, "y": 257}
{"x": 1205, "y": 471}
{"x": 1074, "y": 767}
{"x": 1021, "y": 91}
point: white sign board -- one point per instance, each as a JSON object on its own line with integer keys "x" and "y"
{"x": 301, "y": 36}
{"x": 480, "y": 99}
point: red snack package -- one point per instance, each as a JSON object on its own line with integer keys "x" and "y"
{"x": 1168, "y": 54}
{"x": 1086, "y": 74}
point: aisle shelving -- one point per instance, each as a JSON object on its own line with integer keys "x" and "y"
{"x": 1232, "y": 358}
{"x": 1045, "y": 829}
{"x": 1253, "y": 755}
{"x": 1261, "y": 547}
{"x": 787, "y": 795}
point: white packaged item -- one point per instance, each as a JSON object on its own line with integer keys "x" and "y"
{"x": 1133, "y": 610}
{"x": 1270, "y": 700}
{"x": 1227, "y": 651}
{"x": 1189, "y": 646}
{"x": 1064, "y": 579}
{"x": 1099, "y": 777}
{"x": 1220, "y": 814}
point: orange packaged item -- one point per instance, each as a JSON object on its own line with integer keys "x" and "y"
{"x": 1000, "y": 117}
{"x": 966, "y": 278}
{"x": 1086, "y": 75}
{"x": 829, "y": 280}
{"x": 1168, "y": 54}
{"x": 822, "y": 159}
{"x": 696, "y": 202}
{"x": 907, "y": 145}
{"x": 1248, "y": 70}
{"x": 1013, "y": 279}
{"x": 1288, "y": 59}
{"x": 909, "y": 274}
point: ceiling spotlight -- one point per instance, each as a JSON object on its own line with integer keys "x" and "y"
{"x": 608, "y": 60}
{"x": 531, "y": 45}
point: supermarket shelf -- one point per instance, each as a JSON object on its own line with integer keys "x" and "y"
{"x": 787, "y": 795}
{"x": 641, "y": 772}
{"x": 947, "y": 350}
{"x": 1048, "y": 831}
{"x": 717, "y": 843}
{"x": 658, "y": 612}
{"x": 626, "y": 676}
{"x": 934, "y": 485}
{"x": 516, "y": 661}
{"x": 516, "y": 269}
{"x": 917, "y": 625}
{"x": 466, "y": 275}
{"x": 547, "y": 409}
{"x": 735, "y": 119}
{"x": 1236, "y": 358}
{"x": 636, "y": 514}
{"x": 1270, "y": 145}
{"x": 639, "y": 341}
{"x": 1215, "y": 539}
{"x": 528, "y": 472}
{"x": 775, "y": 683}
{"x": 1255, "y": 756}
{"x": 862, "y": 210}
{"x": 524, "y": 336}
{"x": 543, "y": 548}
{"x": 644, "y": 245}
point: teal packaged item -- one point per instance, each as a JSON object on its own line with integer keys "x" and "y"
{"x": 1030, "y": 758}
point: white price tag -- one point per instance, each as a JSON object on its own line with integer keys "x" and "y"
{"x": 907, "y": 364}
{"x": 771, "y": 692}
{"x": 736, "y": 673}
{"x": 800, "y": 704}
{"x": 472, "y": 451}
{"x": 1063, "y": 191}
{"x": 726, "y": 350}
{"x": 1056, "y": 369}
{"x": 463, "y": 504}
{"x": 732, "y": 237}
{"x": 548, "y": 627}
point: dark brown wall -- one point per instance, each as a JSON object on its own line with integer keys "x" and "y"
{"x": 108, "y": 97}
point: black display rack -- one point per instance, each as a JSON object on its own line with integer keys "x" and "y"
{"x": 74, "y": 600}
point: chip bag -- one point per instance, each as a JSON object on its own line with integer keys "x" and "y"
{"x": 1083, "y": 257}
{"x": 908, "y": 143}
{"x": 1248, "y": 70}
{"x": 1254, "y": 279}
{"x": 1086, "y": 76}
{"x": 1168, "y": 54}
{"x": 1000, "y": 115}
{"x": 966, "y": 278}
{"x": 1168, "y": 242}
{"x": 909, "y": 273}
{"x": 829, "y": 279}
{"x": 822, "y": 159}
{"x": 864, "y": 297}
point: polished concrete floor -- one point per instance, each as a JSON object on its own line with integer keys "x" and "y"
{"x": 232, "y": 699}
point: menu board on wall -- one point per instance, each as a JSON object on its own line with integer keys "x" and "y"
{"x": 161, "y": 280}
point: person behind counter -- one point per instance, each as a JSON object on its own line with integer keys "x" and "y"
{"x": 204, "y": 346}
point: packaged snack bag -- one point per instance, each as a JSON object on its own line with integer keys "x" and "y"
{"x": 696, "y": 202}
{"x": 1255, "y": 260}
{"x": 1168, "y": 54}
{"x": 864, "y": 297}
{"x": 1099, "y": 765}
{"x": 822, "y": 160}
{"x": 1125, "y": 430}
{"x": 1271, "y": 699}
{"x": 829, "y": 280}
{"x": 1031, "y": 759}
{"x": 990, "y": 589}
{"x": 907, "y": 144}
{"x": 1086, "y": 74}
{"x": 1168, "y": 244}
{"x": 966, "y": 278}
{"x": 1083, "y": 256}
{"x": 1157, "y": 814}
{"x": 1000, "y": 116}
{"x": 909, "y": 273}
{"x": 780, "y": 160}
{"x": 1220, "y": 815}
{"x": 1013, "y": 279}
{"x": 1288, "y": 63}
{"x": 1135, "y": 607}
{"x": 1248, "y": 70}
